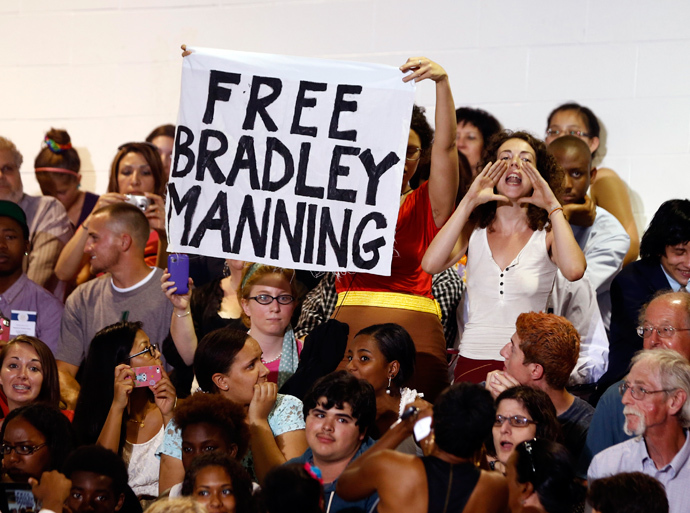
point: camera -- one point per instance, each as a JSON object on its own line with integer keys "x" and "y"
{"x": 141, "y": 202}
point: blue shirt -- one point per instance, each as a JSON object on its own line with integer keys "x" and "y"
{"x": 332, "y": 501}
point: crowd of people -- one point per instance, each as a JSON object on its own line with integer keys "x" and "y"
{"x": 519, "y": 358}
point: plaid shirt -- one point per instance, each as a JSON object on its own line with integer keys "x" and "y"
{"x": 319, "y": 305}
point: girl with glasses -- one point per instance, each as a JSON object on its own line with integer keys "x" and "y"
{"x": 35, "y": 439}
{"x": 522, "y": 413}
{"x": 117, "y": 415}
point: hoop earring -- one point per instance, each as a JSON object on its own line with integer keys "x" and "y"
{"x": 388, "y": 390}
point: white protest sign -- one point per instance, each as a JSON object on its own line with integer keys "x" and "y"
{"x": 288, "y": 161}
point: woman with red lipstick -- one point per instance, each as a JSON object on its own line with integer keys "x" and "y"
{"x": 512, "y": 227}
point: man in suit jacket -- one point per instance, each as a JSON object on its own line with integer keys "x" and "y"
{"x": 664, "y": 265}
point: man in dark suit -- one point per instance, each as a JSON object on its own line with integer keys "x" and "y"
{"x": 664, "y": 265}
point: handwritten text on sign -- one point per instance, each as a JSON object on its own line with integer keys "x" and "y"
{"x": 290, "y": 161}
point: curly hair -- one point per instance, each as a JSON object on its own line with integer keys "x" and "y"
{"x": 551, "y": 341}
{"x": 546, "y": 165}
{"x": 216, "y": 410}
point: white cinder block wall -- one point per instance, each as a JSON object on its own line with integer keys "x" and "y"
{"x": 109, "y": 70}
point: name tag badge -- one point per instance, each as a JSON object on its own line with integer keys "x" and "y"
{"x": 23, "y": 323}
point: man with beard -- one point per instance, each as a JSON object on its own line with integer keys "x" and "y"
{"x": 657, "y": 411}
{"x": 663, "y": 323}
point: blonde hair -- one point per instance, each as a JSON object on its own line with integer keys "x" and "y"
{"x": 176, "y": 505}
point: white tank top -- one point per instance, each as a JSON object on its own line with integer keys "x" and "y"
{"x": 497, "y": 296}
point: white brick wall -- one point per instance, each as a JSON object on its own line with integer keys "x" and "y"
{"x": 108, "y": 70}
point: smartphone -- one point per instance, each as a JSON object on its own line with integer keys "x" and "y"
{"x": 17, "y": 497}
{"x": 178, "y": 267}
{"x": 422, "y": 429}
{"x": 146, "y": 376}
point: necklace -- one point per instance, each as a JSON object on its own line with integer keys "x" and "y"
{"x": 137, "y": 421}
{"x": 273, "y": 360}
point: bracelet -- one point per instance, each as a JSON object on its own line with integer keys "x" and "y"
{"x": 184, "y": 314}
{"x": 555, "y": 210}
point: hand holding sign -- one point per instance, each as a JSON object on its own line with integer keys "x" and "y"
{"x": 289, "y": 161}
{"x": 423, "y": 68}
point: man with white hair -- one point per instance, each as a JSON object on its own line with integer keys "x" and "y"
{"x": 656, "y": 395}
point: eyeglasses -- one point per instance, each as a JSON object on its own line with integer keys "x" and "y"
{"x": 639, "y": 392}
{"x": 514, "y": 421}
{"x": 152, "y": 350}
{"x": 663, "y": 331}
{"x": 529, "y": 449}
{"x": 413, "y": 153}
{"x": 266, "y": 299}
{"x": 552, "y": 132}
{"x": 22, "y": 450}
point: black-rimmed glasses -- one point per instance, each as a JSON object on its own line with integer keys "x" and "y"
{"x": 552, "y": 132}
{"x": 152, "y": 350}
{"x": 267, "y": 299}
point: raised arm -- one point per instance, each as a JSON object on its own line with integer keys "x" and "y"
{"x": 444, "y": 174}
{"x": 565, "y": 252}
{"x": 268, "y": 450}
{"x": 450, "y": 244}
{"x": 124, "y": 384}
{"x": 181, "y": 322}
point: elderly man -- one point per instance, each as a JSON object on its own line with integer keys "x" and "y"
{"x": 129, "y": 289}
{"x": 542, "y": 353}
{"x": 657, "y": 411}
{"x": 664, "y": 323}
{"x": 49, "y": 226}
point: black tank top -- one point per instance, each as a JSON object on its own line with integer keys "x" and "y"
{"x": 450, "y": 486}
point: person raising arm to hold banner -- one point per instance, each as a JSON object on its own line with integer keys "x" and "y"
{"x": 405, "y": 296}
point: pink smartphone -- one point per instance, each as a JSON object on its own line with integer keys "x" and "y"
{"x": 146, "y": 376}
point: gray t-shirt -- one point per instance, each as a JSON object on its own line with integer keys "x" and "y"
{"x": 96, "y": 304}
